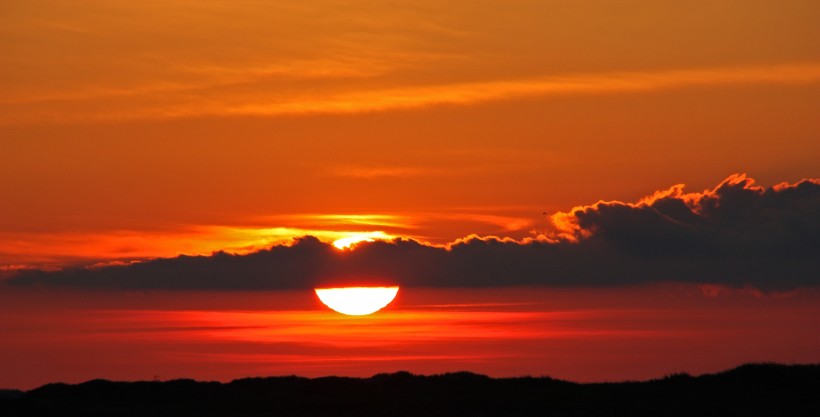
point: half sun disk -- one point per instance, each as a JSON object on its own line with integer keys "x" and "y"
{"x": 357, "y": 301}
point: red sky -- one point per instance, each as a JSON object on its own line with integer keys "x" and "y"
{"x": 136, "y": 131}
{"x": 591, "y": 335}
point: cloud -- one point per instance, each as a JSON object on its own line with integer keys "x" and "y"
{"x": 468, "y": 93}
{"x": 193, "y": 97}
{"x": 737, "y": 234}
{"x": 383, "y": 172}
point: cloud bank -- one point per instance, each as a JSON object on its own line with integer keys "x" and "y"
{"x": 737, "y": 234}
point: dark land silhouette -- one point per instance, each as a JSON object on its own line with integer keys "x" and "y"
{"x": 749, "y": 390}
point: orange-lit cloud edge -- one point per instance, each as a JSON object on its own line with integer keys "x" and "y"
{"x": 731, "y": 226}
{"x": 567, "y": 226}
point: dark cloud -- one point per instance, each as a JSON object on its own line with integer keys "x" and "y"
{"x": 737, "y": 234}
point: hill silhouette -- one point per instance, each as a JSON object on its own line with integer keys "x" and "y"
{"x": 749, "y": 390}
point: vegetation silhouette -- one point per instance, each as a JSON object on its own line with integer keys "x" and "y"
{"x": 749, "y": 390}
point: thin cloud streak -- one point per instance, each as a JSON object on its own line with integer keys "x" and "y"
{"x": 378, "y": 172}
{"x": 57, "y": 249}
{"x": 185, "y": 100}
{"x": 48, "y": 251}
{"x": 480, "y": 92}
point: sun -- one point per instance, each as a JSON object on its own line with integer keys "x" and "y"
{"x": 357, "y": 301}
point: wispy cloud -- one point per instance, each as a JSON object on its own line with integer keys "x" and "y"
{"x": 374, "y": 172}
{"x": 54, "y": 249}
{"x": 232, "y": 92}
{"x": 479, "y": 92}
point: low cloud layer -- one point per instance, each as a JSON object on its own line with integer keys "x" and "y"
{"x": 737, "y": 234}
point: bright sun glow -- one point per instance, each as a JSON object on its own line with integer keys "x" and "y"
{"x": 351, "y": 240}
{"x": 357, "y": 301}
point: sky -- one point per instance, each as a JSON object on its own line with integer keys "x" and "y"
{"x": 628, "y": 333}
{"x": 221, "y": 147}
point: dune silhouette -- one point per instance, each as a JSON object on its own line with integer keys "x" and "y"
{"x": 753, "y": 389}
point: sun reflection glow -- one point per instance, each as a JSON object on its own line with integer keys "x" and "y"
{"x": 348, "y": 241}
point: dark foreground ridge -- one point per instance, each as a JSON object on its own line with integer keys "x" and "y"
{"x": 749, "y": 390}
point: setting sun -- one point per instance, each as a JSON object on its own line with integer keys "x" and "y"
{"x": 357, "y": 301}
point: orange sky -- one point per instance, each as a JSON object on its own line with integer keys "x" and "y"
{"x": 133, "y": 130}
{"x": 142, "y": 129}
